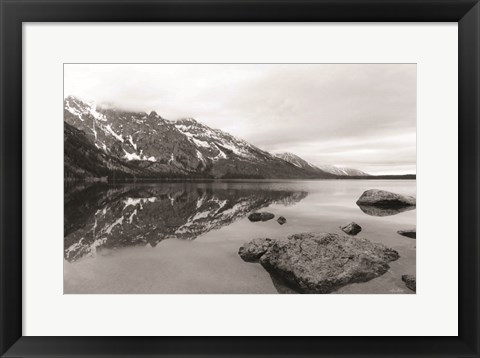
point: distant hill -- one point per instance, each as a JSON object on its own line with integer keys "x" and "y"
{"x": 301, "y": 163}
{"x": 373, "y": 177}
{"x": 342, "y": 171}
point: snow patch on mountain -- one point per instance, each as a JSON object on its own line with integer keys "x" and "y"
{"x": 200, "y": 215}
{"x": 79, "y": 108}
{"x": 200, "y": 156}
{"x": 118, "y": 222}
{"x": 109, "y": 129}
{"x": 138, "y": 201}
{"x": 130, "y": 219}
{"x": 141, "y": 156}
{"x": 220, "y": 155}
{"x": 73, "y": 111}
{"x": 130, "y": 139}
{"x": 198, "y": 142}
{"x": 206, "y": 137}
{"x": 92, "y": 109}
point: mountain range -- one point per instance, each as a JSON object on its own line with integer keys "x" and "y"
{"x": 109, "y": 142}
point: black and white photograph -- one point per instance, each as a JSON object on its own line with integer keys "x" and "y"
{"x": 239, "y": 178}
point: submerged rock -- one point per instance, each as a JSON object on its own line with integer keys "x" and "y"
{"x": 412, "y": 234}
{"x": 381, "y": 211}
{"x": 263, "y": 216}
{"x": 322, "y": 262}
{"x": 410, "y": 282}
{"x": 386, "y": 199}
{"x": 351, "y": 229}
{"x": 253, "y": 250}
{"x": 281, "y": 220}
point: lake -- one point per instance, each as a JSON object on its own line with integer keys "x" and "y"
{"x": 183, "y": 237}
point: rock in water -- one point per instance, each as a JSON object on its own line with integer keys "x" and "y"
{"x": 382, "y": 198}
{"x": 351, "y": 229}
{"x": 410, "y": 282}
{"x": 253, "y": 250}
{"x": 322, "y": 262}
{"x": 412, "y": 234}
{"x": 281, "y": 220}
{"x": 263, "y": 216}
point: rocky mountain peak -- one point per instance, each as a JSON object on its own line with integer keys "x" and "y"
{"x": 187, "y": 122}
{"x": 71, "y": 98}
{"x": 153, "y": 114}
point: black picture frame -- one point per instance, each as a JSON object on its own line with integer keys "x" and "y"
{"x": 15, "y": 12}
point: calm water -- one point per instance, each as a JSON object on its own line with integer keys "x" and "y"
{"x": 184, "y": 237}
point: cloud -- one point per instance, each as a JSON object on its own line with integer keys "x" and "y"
{"x": 360, "y": 115}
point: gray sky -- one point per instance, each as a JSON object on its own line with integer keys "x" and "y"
{"x": 361, "y": 116}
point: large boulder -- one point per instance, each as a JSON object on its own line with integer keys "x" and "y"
{"x": 385, "y": 199}
{"x": 412, "y": 233}
{"x": 263, "y": 216}
{"x": 281, "y": 220}
{"x": 253, "y": 250}
{"x": 323, "y": 262}
{"x": 410, "y": 282}
{"x": 351, "y": 229}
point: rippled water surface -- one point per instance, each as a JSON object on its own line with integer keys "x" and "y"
{"x": 184, "y": 237}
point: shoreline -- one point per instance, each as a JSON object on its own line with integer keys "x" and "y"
{"x": 202, "y": 180}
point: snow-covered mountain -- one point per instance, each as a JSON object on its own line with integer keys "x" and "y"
{"x": 176, "y": 148}
{"x": 342, "y": 171}
{"x": 301, "y": 163}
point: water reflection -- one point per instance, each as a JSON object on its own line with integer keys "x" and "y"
{"x": 108, "y": 217}
{"x": 384, "y": 211}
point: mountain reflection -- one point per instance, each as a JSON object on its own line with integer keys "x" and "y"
{"x": 109, "y": 217}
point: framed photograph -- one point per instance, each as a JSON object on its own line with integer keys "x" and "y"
{"x": 239, "y": 178}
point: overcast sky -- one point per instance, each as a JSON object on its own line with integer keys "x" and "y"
{"x": 359, "y": 116}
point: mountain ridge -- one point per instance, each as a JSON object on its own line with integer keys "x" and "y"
{"x": 149, "y": 145}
